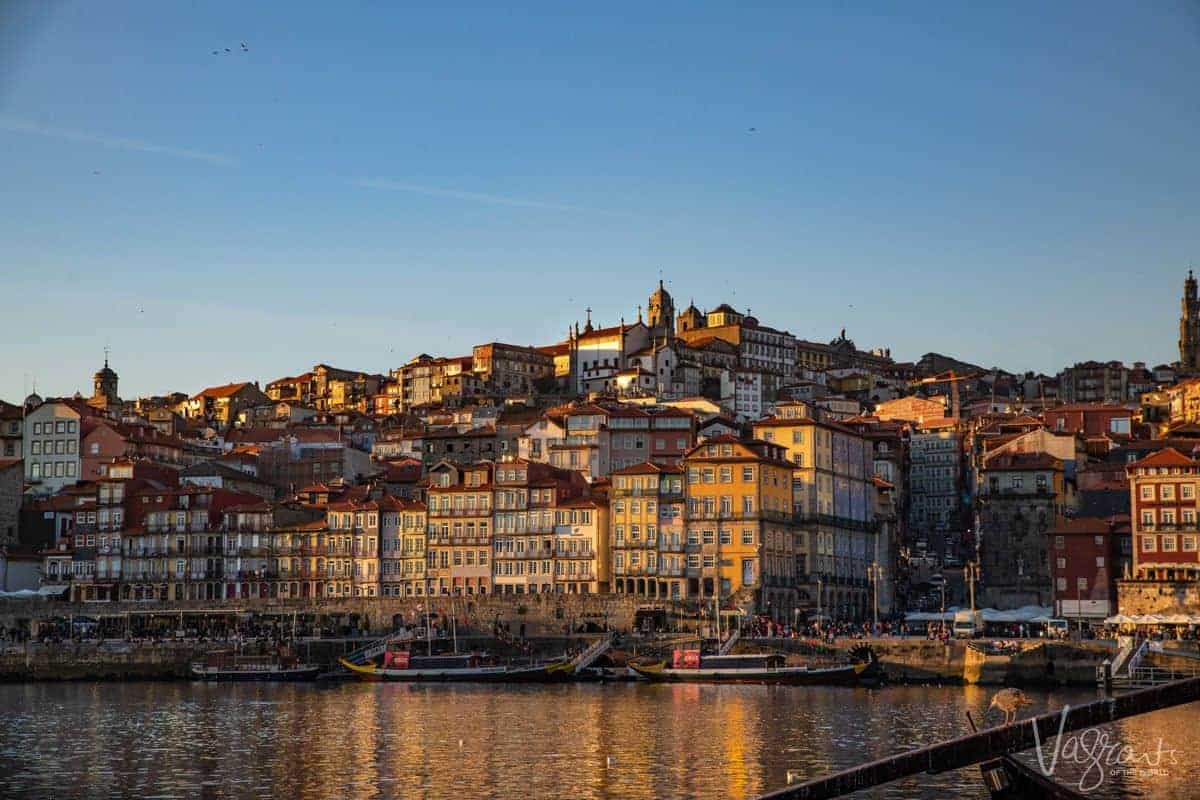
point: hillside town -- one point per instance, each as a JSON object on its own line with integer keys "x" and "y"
{"x": 690, "y": 456}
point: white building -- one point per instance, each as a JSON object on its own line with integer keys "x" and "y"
{"x": 600, "y": 353}
{"x": 51, "y": 447}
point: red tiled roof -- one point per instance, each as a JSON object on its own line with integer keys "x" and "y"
{"x": 645, "y": 468}
{"x": 1091, "y": 525}
{"x": 1020, "y": 461}
{"x": 1167, "y": 457}
{"x": 226, "y": 390}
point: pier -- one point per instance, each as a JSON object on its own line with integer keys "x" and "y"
{"x": 986, "y": 745}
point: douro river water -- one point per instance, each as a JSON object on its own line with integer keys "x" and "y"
{"x": 187, "y": 740}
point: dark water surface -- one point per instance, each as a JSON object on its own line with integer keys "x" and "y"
{"x": 189, "y": 740}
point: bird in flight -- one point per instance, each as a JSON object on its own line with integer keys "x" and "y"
{"x": 753, "y": 130}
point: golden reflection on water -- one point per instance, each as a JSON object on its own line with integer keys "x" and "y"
{"x": 437, "y": 742}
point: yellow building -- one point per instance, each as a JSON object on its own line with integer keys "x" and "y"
{"x": 833, "y": 501}
{"x": 402, "y": 543}
{"x": 582, "y": 557}
{"x": 459, "y": 522}
{"x": 353, "y": 562}
{"x": 740, "y": 536}
{"x": 648, "y": 532}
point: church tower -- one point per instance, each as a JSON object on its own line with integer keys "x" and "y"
{"x": 1189, "y": 326}
{"x": 660, "y": 314}
{"x": 104, "y": 386}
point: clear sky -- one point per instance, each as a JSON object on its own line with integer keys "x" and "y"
{"x": 1014, "y": 184}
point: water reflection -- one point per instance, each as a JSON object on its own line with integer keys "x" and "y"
{"x": 434, "y": 742}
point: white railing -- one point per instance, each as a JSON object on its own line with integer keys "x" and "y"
{"x": 593, "y": 652}
{"x": 1135, "y": 660}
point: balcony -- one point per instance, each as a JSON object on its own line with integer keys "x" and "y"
{"x": 577, "y": 576}
{"x": 636, "y": 491}
{"x": 461, "y": 512}
{"x": 577, "y": 554}
{"x": 805, "y": 518}
{"x": 572, "y": 441}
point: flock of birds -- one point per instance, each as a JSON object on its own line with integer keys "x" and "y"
{"x": 244, "y": 48}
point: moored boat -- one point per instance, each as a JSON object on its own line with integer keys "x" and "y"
{"x": 467, "y": 668}
{"x": 688, "y": 666}
{"x": 226, "y": 665}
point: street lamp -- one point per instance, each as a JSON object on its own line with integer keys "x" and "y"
{"x": 943, "y": 585}
{"x": 820, "y": 591}
{"x": 875, "y": 573}
{"x": 970, "y": 575}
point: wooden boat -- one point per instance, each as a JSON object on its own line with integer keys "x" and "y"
{"x": 688, "y": 666}
{"x": 226, "y": 665}
{"x": 470, "y": 668}
{"x": 1006, "y": 778}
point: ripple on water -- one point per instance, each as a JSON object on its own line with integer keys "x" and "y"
{"x": 391, "y": 741}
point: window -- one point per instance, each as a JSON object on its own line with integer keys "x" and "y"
{"x": 1061, "y": 584}
{"x": 1148, "y": 544}
{"x": 1147, "y": 492}
{"x": 726, "y": 474}
{"x": 748, "y": 474}
{"x": 1168, "y": 491}
{"x": 1189, "y": 544}
{"x": 747, "y": 536}
{"x": 1099, "y": 562}
{"x": 1060, "y": 542}
{"x": 1168, "y": 543}
{"x": 1081, "y": 584}
{"x": 1187, "y": 491}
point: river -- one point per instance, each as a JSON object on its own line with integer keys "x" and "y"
{"x": 356, "y": 740}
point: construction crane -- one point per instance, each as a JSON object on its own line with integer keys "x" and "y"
{"x": 951, "y": 378}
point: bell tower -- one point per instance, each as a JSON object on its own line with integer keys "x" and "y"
{"x": 104, "y": 386}
{"x": 660, "y": 313}
{"x": 1189, "y": 326}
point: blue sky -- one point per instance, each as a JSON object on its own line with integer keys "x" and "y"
{"x": 1015, "y": 184}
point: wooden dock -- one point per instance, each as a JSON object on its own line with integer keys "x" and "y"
{"x": 986, "y": 745}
